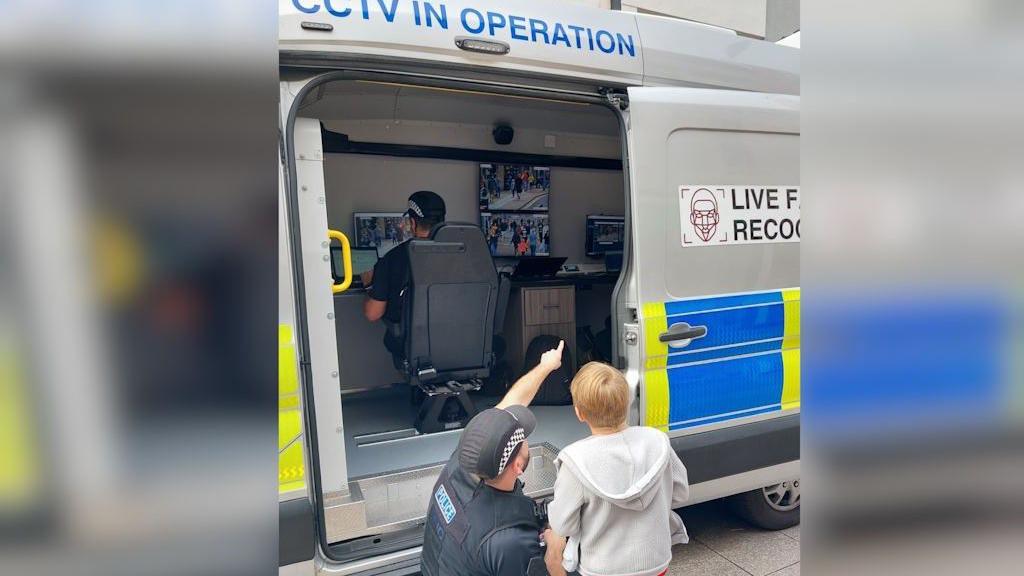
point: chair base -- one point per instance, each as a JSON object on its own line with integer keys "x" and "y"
{"x": 446, "y": 406}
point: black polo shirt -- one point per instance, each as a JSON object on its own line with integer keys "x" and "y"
{"x": 390, "y": 279}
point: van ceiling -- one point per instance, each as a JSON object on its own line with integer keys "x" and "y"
{"x": 359, "y": 100}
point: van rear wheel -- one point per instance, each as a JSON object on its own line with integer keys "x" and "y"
{"x": 772, "y": 507}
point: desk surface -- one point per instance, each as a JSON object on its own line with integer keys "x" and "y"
{"x": 353, "y": 290}
{"x": 568, "y": 280}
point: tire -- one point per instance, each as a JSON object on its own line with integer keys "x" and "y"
{"x": 772, "y": 507}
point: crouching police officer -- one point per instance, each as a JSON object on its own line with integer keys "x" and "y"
{"x": 479, "y": 521}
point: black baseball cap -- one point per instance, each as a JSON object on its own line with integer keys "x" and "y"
{"x": 492, "y": 437}
{"x": 426, "y": 204}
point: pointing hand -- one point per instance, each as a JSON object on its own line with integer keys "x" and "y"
{"x": 552, "y": 359}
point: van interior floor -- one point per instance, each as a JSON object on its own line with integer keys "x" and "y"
{"x": 379, "y": 433}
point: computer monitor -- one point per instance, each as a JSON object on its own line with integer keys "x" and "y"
{"x": 516, "y": 234}
{"x": 514, "y": 188}
{"x": 363, "y": 259}
{"x": 605, "y": 234}
{"x": 380, "y": 230}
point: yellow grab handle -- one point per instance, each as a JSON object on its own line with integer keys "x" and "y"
{"x": 346, "y": 258}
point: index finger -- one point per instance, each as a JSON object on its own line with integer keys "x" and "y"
{"x": 561, "y": 344}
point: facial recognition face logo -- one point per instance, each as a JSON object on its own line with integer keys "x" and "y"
{"x": 704, "y": 214}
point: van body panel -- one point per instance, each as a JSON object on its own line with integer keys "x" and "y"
{"x": 543, "y": 37}
{"x": 742, "y": 482}
{"x": 728, "y": 452}
{"x": 745, "y": 296}
{"x": 296, "y": 532}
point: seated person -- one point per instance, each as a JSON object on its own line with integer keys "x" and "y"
{"x": 386, "y": 283}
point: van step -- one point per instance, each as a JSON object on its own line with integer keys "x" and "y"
{"x": 380, "y": 437}
{"x": 398, "y": 500}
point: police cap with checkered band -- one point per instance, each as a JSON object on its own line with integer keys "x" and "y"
{"x": 492, "y": 437}
{"x": 426, "y": 204}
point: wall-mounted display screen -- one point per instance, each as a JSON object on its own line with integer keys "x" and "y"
{"x": 514, "y": 187}
{"x": 513, "y": 234}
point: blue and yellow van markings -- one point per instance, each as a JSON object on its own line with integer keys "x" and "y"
{"x": 747, "y": 364}
{"x": 656, "y": 394}
{"x": 20, "y": 466}
{"x": 291, "y": 462}
{"x": 695, "y": 356}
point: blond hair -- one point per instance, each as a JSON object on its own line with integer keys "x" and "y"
{"x": 601, "y": 395}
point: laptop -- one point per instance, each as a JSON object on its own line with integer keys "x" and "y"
{"x": 363, "y": 258}
{"x": 537, "y": 267}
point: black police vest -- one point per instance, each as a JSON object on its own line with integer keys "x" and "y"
{"x": 463, "y": 514}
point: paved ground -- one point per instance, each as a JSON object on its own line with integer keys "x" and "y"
{"x": 723, "y": 545}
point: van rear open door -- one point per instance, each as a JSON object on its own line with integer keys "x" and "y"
{"x": 716, "y": 218}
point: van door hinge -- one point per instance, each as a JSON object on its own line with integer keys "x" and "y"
{"x": 617, "y": 99}
{"x": 631, "y": 334}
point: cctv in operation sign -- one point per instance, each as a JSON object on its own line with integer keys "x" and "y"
{"x": 715, "y": 215}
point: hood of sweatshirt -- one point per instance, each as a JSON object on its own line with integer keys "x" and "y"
{"x": 624, "y": 468}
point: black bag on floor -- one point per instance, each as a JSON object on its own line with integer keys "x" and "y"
{"x": 555, "y": 389}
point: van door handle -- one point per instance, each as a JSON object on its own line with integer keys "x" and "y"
{"x": 682, "y": 331}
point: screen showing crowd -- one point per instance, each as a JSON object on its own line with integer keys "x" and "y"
{"x": 514, "y": 187}
{"x": 380, "y": 230}
{"x": 512, "y": 234}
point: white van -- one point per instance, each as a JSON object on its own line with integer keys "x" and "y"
{"x": 660, "y": 159}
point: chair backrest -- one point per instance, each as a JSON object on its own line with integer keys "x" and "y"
{"x": 450, "y": 305}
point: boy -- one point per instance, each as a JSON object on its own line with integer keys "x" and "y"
{"x": 615, "y": 489}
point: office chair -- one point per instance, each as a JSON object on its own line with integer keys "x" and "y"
{"x": 449, "y": 322}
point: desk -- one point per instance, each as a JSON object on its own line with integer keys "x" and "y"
{"x": 535, "y": 310}
{"x": 549, "y": 306}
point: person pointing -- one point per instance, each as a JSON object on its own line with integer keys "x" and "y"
{"x": 479, "y": 522}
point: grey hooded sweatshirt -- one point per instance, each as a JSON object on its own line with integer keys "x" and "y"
{"x": 613, "y": 499}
